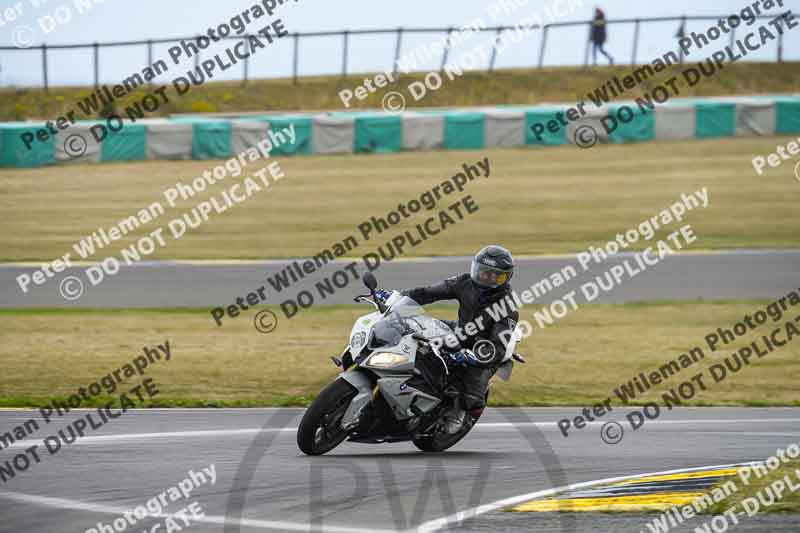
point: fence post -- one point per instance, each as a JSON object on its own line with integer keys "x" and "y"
{"x": 544, "y": 45}
{"x": 96, "y": 66}
{"x": 295, "y": 59}
{"x": 197, "y": 57}
{"x": 150, "y": 57}
{"x": 494, "y": 50}
{"x": 44, "y": 68}
{"x": 681, "y": 34}
{"x": 345, "y": 47}
{"x": 588, "y": 45}
{"x": 780, "y": 47}
{"x": 446, "y": 48}
{"x": 397, "y": 46}
{"x": 246, "y": 62}
{"x": 635, "y": 42}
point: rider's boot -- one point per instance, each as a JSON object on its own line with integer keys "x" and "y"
{"x": 454, "y": 419}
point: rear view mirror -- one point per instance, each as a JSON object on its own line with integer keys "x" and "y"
{"x": 370, "y": 281}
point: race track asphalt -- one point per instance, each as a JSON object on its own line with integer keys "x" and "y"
{"x": 735, "y": 274}
{"x": 265, "y": 483}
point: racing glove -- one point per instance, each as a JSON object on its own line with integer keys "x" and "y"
{"x": 463, "y": 357}
{"x": 382, "y": 295}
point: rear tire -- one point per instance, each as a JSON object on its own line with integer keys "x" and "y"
{"x": 320, "y": 430}
{"x": 441, "y": 441}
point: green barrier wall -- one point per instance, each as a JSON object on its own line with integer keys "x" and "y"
{"x": 715, "y": 120}
{"x": 15, "y": 153}
{"x": 378, "y": 134}
{"x": 302, "y": 129}
{"x": 463, "y": 131}
{"x": 211, "y": 139}
{"x": 548, "y": 138}
{"x": 127, "y": 144}
{"x": 641, "y": 127}
{"x": 787, "y": 117}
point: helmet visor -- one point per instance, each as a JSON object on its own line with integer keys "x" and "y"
{"x": 487, "y": 276}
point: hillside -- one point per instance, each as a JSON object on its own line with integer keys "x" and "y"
{"x": 517, "y": 86}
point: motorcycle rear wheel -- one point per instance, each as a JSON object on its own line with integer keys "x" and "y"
{"x": 320, "y": 430}
{"x": 441, "y": 441}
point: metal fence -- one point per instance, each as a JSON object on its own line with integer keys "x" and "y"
{"x": 398, "y": 36}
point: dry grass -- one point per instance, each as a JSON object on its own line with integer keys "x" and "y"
{"x": 787, "y": 502}
{"x": 578, "y": 361}
{"x": 536, "y": 201}
{"x": 501, "y": 87}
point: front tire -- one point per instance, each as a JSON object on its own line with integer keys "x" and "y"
{"x": 320, "y": 430}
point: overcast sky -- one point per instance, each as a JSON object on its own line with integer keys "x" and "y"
{"x": 115, "y": 20}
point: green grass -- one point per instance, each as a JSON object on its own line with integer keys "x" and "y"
{"x": 48, "y": 354}
{"x": 501, "y": 87}
{"x": 536, "y": 201}
{"x": 789, "y": 501}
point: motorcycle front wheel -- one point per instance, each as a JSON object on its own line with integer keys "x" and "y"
{"x": 320, "y": 429}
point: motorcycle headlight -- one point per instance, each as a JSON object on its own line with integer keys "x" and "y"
{"x": 387, "y": 360}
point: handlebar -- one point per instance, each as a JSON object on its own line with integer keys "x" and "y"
{"x": 363, "y": 297}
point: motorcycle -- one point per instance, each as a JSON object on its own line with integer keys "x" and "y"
{"x": 398, "y": 382}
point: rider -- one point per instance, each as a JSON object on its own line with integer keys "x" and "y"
{"x": 486, "y": 284}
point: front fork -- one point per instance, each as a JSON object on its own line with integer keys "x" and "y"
{"x": 364, "y": 396}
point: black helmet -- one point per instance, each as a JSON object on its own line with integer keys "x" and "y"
{"x": 492, "y": 267}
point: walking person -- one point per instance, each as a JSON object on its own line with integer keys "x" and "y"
{"x": 598, "y": 36}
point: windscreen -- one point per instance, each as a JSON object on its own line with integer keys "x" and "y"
{"x": 405, "y": 317}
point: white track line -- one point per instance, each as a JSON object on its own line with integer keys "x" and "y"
{"x": 426, "y": 527}
{"x": 656, "y": 422}
{"x": 100, "y": 439}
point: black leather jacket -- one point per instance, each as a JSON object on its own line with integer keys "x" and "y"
{"x": 473, "y": 304}
{"x": 598, "y": 34}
